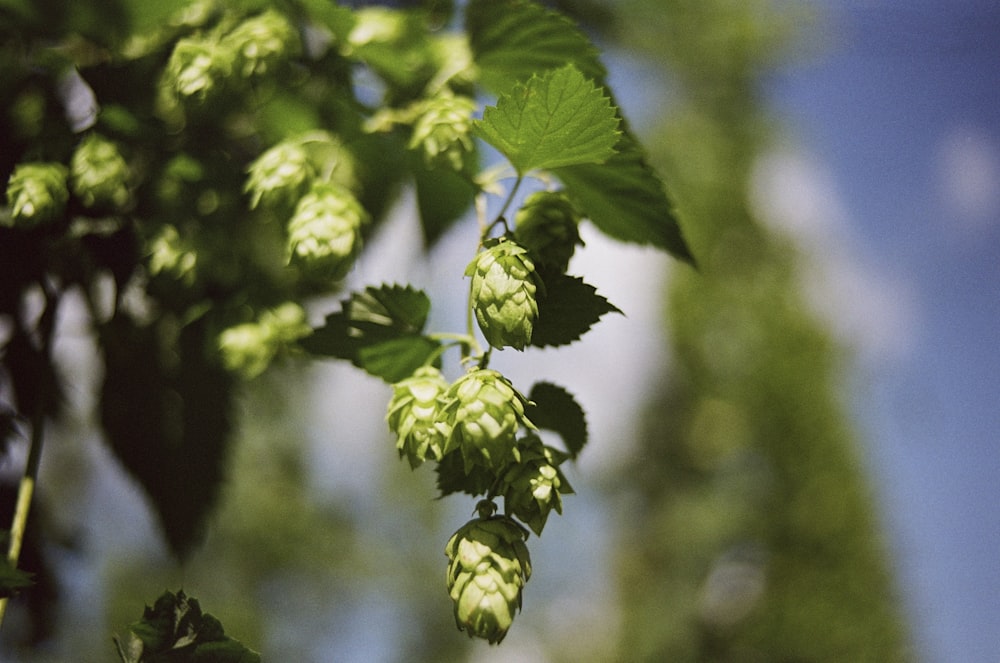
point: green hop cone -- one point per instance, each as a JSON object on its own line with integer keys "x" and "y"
{"x": 171, "y": 255}
{"x": 37, "y": 193}
{"x": 488, "y": 567}
{"x": 98, "y": 173}
{"x": 504, "y": 284}
{"x": 535, "y": 484}
{"x": 324, "y": 234}
{"x": 261, "y": 42}
{"x": 196, "y": 69}
{"x": 484, "y": 412}
{"x": 443, "y": 130}
{"x": 249, "y": 348}
{"x": 547, "y": 225}
{"x": 279, "y": 176}
{"x": 414, "y": 416}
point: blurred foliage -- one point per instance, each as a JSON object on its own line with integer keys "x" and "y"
{"x": 753, "y": 535}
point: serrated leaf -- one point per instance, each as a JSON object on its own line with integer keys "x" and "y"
{"x": 553, "y": 408}
{"x": 378, "y": 330}
{"x": 513, "y": 39}
{"x": 567, "y": 309}
{"x": 556, "y": 119}
{"x": 626, "y": 200}
{"x": 443, "y": 196}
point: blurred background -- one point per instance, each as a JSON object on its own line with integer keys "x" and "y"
{"x": 793, "y": 449}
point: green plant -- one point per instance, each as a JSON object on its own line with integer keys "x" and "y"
{"x": 238, "y": 157}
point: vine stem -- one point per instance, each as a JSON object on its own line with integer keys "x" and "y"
{"x": 26, "y": 488}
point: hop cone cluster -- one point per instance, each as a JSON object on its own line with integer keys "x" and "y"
{"x": 547, "y": 225}
{"x": 415, "y": 416}
{"x": 250, "y": 347}
{"x": 98, "y": 173}
{"x": 443, "y": 130}
{"x": 279, "y": 175}
{"x": 504, "y": 284}
{"x": 324, "y": 234}
{"x": 484, "y": 412}
{"x": 488, "y": 567}
{"x": 37, "y": 192}
{"x": 535, "y": 483}
{"x": 261, "y": 42}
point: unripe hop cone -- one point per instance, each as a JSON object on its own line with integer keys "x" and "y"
{"x": 484, "y": 412}
{"x": 37, "y": 193}
{"x": 548, "y": 226}
{"x": 324, "y": 234}
{"x": 98, "y": 173}
{"x": 488, "y": 566}
{"x": 415, "y": 416}
{"x": 504, "y": 284}
{"x": 444, "y": 131}
{"x": 535, "y": 484}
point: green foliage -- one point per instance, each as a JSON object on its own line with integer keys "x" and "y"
{"x": 234, "y": 161}
{"x": 175, "y": 630}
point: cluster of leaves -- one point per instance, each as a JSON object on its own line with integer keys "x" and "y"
{"x": 229, "y": 166}
{"x": 175, "y": 630}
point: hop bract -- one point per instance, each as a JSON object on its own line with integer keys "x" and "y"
{"x": 504, "y": 284}
{"x": 484, "y": 412}
{"x": 548, "y": 225}
{"x": 98, "y": 173}
{"x": 324, "y": 234}
{"x": 415, "y": 416}
{"x": 279, "y": 175}
{"x": 488, "y": 567}
{"x": 443, "y": 130}
{"x": 535, "y": 484}
{"x": 37, "y": 192}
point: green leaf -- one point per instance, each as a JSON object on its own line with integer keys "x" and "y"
{"x": 513, "y": 39}
{"x": 378, "y": 330}
{"x": 443, "y": 196}
{"x": 12, "y": 578}
{"x": 626, "y": 199}
{"x": 567, "y": 309}
{"x": 452, "y": 478}
{"x": 553, "y": 408}
{"x": 556, "y": 119}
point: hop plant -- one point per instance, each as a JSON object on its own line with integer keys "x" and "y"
{"x": 279, "y": 176}
{"x": 484, "y": 412}
{"x": 37, "y": 193}
{"x": 98, "y": 173}
{"x": 261, "y": 42}
{"x": 488, "y": 566}
{"x": 547, "y": 225}
{"x": 324, "y": 234}
{"x": 414, "y": 416}
{"x": 197, "y": 68}
{"x": 443, "y": 130}
{"x": 504, "y": 284}
{"x": 249, "y": 348}
{"x": 534, "y": 484}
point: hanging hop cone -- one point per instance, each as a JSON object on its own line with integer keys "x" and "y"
{"x": 484, "y": 412}
{"x": 488, "y": 566}
{"x": 261, "y": 42}
{"x": 171, "y": 255}
{"x": 98, "y": 173}
{"x": 197, "y": 68}
{"x": 37, "y": 192}
{"x": 535, "y": 483}
{"x": 249, "y": 348}
{"x": 547, "y": 225}
{"x": 443, "y": 130}
{"x": 415, "y": 416}
{"x": 504, "y": 284}
{"x": 324, "y": 234}
{"x": 279, "y": 176}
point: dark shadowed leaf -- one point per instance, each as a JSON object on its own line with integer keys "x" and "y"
{"x": 567, "y": 308}
{"x": 553, "y": 408}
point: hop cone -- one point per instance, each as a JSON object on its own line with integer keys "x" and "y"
{"x": 261, "y": 42}
{"x": 98, "y": 173}
{"x": 535, "y": 484}
{"x": 503, "y": 294}
{"x": 36, "y": 192}
{"x": 487, "y": 569}
{"x": 172, "y": 255}
{"x": 250, "y": 347}
{"x": 415, "y": 416}
{"x": 324, "y": 234}
{"x": 546, "y": 225}
{"x": 197, "y": 68}
{"x": 444, "y": 131}
{"x": 279, "y": 175}
{"x": 484, "y": 412}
